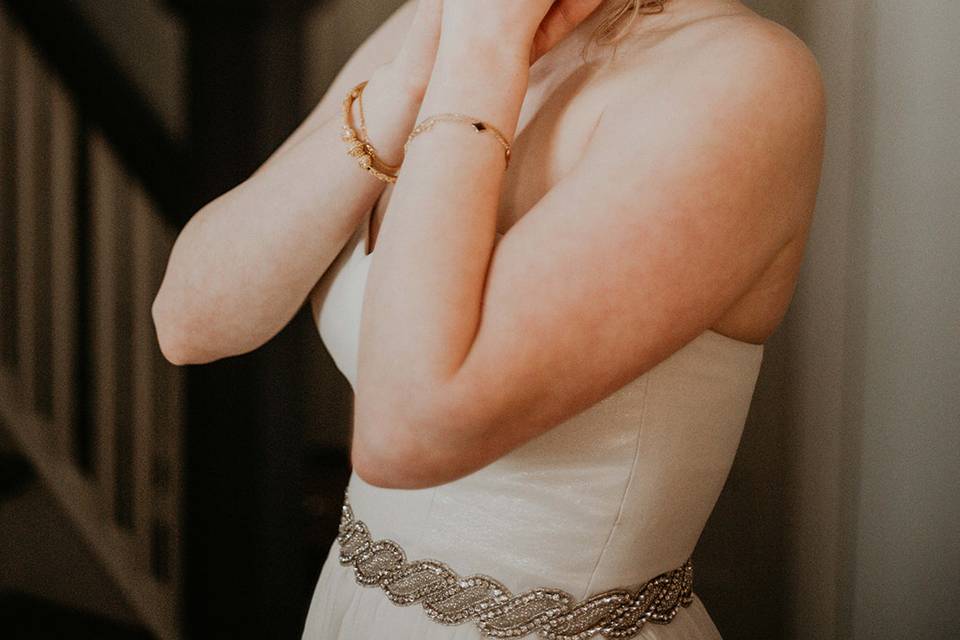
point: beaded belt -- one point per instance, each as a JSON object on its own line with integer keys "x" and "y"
{"x": 554, "y": 614}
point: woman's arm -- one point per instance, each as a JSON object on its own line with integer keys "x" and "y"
{"x": 243, "y": 265}
{"x": 469, "y": 348}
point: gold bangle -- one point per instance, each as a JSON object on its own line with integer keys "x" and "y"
{"x": 478, "y": 125}
{"x": 358, "y": 146}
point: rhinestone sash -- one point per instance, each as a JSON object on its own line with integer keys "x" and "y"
{"x": 553, "y": 614}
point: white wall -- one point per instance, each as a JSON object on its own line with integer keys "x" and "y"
{"x": 874, "y": 332}
{"x": 903, "y": 428}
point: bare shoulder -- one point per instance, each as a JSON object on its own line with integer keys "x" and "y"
{"x": 734, "y": 57}
{"x": 727, "y": 117}
{"x": 727, "y": 88}
{"x": 762, "y": 69}
{"x": 763, "y": 56}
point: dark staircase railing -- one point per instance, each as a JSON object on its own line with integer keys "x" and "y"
{"x": 188, "y": 482}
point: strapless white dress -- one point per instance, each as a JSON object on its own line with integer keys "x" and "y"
{"x": 609, "y": 499}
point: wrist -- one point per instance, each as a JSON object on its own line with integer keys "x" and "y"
{"x": 390, "y": 106}
{"x": 475, "y": 30}
{"x": 408, "y": 83}
{"x": 480, "y": 82}
{"x": 487, "y": 52}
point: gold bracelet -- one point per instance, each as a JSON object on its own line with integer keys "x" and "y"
{"x": 478, "y": 125}
{"x": 358, "y": 145}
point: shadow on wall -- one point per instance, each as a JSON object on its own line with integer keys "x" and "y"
{"x": 840, "y": 519}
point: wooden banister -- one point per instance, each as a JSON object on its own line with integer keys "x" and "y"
{"x": 81, "y": 374}
{"x": 105, "y": 98}
{"x": 186, "y": 481}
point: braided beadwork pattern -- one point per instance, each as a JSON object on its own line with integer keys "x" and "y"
{"x": 553, "y": 614}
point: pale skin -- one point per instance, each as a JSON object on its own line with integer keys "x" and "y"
{"x": 647, "y": 201}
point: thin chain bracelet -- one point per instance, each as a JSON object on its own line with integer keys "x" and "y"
{"x": 358, "y": 146}
{"x": 479, "y": 126}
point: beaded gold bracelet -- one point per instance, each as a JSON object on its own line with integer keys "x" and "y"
{"x": 358, "y": 146}
{"x": 478, "y": 125}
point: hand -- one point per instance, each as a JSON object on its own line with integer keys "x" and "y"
{"x": 414, "y": 62}
{"x": 527, "y": 27}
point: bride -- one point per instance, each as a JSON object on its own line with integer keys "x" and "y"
{"x": 545, "y": 241}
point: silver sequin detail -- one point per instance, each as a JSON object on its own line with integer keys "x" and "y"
{"x": 553, "y": 614}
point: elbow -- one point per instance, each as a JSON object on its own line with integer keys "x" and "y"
{"x": 393, "y": 471}
{"x": 173, "y": 338}
{"x": 387, "y": 467}
{"x": 188, "y": 335}
{"x": 172, "y": 345}
{"x": 397, "y": 453}
{"x": 176, "y": 355}
{"x": 375, "y": 470}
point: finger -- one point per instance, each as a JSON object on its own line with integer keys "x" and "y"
{"x": 561, "y": 19}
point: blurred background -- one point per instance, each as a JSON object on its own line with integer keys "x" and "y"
{"x": 143, "y": 500}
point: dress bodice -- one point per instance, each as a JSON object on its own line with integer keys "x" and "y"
{"x": 616, "y": 494}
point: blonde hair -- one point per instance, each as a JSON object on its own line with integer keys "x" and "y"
{"x": 619, "y": 16}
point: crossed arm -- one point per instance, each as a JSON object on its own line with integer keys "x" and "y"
{"x": 474, "y": 346}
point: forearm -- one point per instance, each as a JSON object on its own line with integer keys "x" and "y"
{"x": 243, "y": 265}
{"x": 425, "y": 286}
